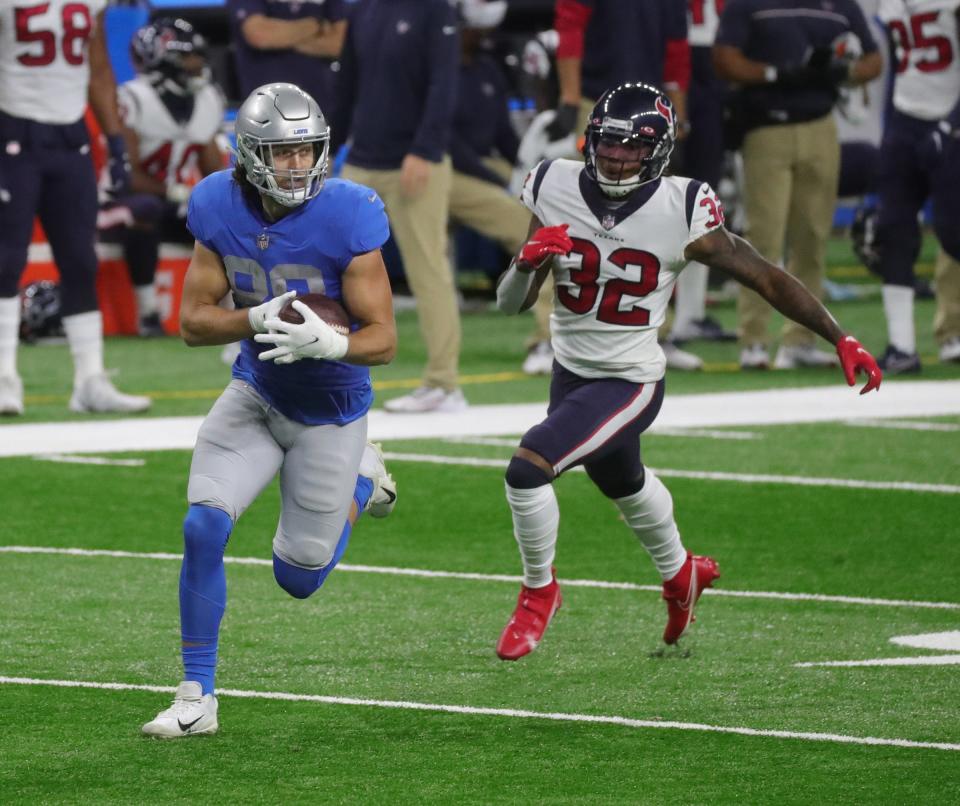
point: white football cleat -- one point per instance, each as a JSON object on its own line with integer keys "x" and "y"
{"x": 539, "y": 360}
{"x": 426, "y": 399}
{"x": 949, "y": 352}
{"x": 384, "y": 496}
{"x": 754, "y": 356}
{"x": 191, "y": 714}
{"x": 11, "y": 395}
{"x": 805, "y": 355}
{"x": 680, "y": 359}
{"x": 98, "y": 394}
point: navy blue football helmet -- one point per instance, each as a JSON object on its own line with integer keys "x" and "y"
{"x": 630, "y": 115}
{"x": 159, "y": 49}
{"x": 40, "y": 316}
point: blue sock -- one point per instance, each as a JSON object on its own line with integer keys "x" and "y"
{"x": 203, "y": 591}
{"x": 303, "y": 582}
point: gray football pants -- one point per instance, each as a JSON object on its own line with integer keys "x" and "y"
{"x": 242, "y": 444}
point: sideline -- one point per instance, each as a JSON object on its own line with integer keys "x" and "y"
{"x": 769, "y": 407}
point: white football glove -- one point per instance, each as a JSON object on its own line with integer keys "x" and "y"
{"x": 314, "y": 338}
{"x": 268, "y": 310}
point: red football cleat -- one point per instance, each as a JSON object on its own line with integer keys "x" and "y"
{"x": 523, "y": 632}
{"x": 682, "y": 591}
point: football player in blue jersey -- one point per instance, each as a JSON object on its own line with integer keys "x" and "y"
{"x": 297, "y": 404}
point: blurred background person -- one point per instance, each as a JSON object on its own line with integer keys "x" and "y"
{"x": 701, "y": 157}
{"x": 396, "y": 97}
{"x": 483, "y": 150}
{"x": 171, "y": 114}
{"x": 605, "y": 43}
{"x": 53, "y": 61}
{"x": 783, "y": 56}
{"x": 920, "y": 160}
{"x": 279, "y": 40}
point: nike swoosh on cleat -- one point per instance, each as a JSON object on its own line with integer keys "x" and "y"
{"x": 189, "y": 725}
{"x": 686, "y": 605}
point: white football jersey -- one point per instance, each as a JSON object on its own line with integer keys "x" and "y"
{"x": 703, "y": 19}
{"x": 44, "y": 64}
{"x": 169, "y": 150}
{"x": 926, "y": 55}
{"x": 612, "y": 290}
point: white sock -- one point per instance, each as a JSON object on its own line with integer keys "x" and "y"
{"x": 146, "y": 300}
{"x": 898, "y": 306}
{"x": 9, "y": 335}
{"x": 650, "y": 514}
{"x": 85, "y": 337}
{"x": 536, "y": 518}
{"x": 691, "y": 299}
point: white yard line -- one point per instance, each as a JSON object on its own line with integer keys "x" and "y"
{"x": 904, "y": 425}
{"x": 922, "y": 660}
{"x": 706, "y": 475}
{"x": 475, "y": 577}
{"x": 514, "y": 713}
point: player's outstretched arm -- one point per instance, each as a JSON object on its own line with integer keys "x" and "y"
{"x": 519, "y": 285}
{"x": 202, "y": 320}
{"x": 730, "y": 253}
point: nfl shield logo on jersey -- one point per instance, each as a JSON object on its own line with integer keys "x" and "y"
{"x": 608, "y": 221}
{"x": 263, "y": 241}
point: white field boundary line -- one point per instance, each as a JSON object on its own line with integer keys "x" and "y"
{"x": 515, "y": 713}
{"x": 475, "y": 577}
{"x": 698, "y": 433}
{"x": 705, "y": 475}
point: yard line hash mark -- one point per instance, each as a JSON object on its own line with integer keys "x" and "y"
{"x": 476, "y": 577}
{"x": 705, "y": 475}
{"x": 515, "y": 713}
{"x": 86, "y": 459}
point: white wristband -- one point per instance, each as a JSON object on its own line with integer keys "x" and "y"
{"x": 513, "y": 289}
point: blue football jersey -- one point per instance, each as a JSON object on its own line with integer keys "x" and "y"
{"x": 306, "y": 251}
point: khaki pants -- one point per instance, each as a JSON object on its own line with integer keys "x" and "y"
{"x": 790, "y": 187}
{"x": 493, "y": 212}
{"x": 946, "y": 321}
{"x": 420, "y": 228}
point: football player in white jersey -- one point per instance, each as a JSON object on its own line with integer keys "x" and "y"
{"x": 171, "y": 114}
{"x": 920, "y": 159}
{"x": 53, "y": 59}
{"x": 616, "y": 233}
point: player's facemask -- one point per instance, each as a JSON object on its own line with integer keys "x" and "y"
{"x": 273, "y": 171}
{"x": 619, "y": 165}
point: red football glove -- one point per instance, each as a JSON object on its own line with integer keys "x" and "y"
{"x": 545, "y": 243}
{"x": 854, "y": 357}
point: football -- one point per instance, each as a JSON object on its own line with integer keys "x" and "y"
{"x": 329, "y": 310}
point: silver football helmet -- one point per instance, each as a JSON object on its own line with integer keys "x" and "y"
{"x": 274, "y": 118}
